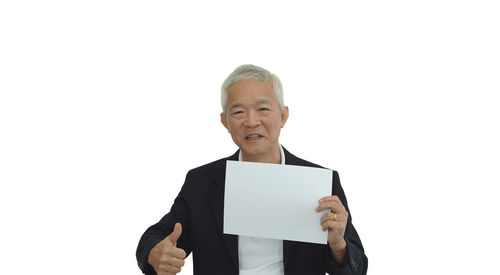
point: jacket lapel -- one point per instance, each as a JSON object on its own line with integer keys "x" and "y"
{"x": 288, "y": 245}
{"x": 216, "y": 196}
{"x": 287, "y": 251}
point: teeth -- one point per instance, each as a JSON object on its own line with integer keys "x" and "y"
{"x": 252, "y": 136}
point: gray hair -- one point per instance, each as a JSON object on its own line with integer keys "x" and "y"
{"x": 252, "y": 72}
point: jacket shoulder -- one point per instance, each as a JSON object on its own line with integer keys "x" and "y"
{"x": 294, "y": 160}
{"x": 209, "y": 167}
{"x": 213, "y": 168}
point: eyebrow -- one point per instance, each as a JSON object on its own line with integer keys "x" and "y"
{"x": 258, "y": 102}
{"x": 236, "y": 105}
{"x": 263, "y": 101}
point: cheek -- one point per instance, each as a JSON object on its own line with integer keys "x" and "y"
{"x": 274, "y": 127}
{"x": 234, "y": 129}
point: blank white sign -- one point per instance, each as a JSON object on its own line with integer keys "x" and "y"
{"x": 275, "y": 201}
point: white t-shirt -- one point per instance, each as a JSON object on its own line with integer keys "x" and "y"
{"x": 260, "y": 255}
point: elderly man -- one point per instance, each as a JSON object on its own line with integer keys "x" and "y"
{"x": 253, "y": 113}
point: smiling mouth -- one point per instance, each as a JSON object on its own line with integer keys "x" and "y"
{"x": 252, "y": 137}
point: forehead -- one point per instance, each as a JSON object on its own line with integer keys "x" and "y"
{"x": 250, "y": 90}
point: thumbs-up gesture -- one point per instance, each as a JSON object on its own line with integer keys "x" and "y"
{"x": 165, "y": 257}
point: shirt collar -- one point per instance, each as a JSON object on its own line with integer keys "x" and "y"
{"x": 281, "y": 152}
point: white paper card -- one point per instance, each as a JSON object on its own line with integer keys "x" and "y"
{"x": 275, "y": 201}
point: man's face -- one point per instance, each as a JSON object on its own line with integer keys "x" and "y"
{"x": 254, "y": 119}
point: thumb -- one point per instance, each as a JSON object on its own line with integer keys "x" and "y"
{"x": 174, "y": 236}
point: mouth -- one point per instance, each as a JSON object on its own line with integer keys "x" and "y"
{"x": 253, "y": 137}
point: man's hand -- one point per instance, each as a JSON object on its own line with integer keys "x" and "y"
{"x": 165, "y": 257}
{"x": 335, "y": 222}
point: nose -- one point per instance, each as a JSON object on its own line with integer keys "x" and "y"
{"x": 252, "y": 119}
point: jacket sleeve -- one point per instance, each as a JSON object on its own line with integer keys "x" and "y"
{"x": 159, "y": 231}
{"x": 357, "y": 262}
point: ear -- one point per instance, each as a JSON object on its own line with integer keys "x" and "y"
{"x": 284, "y": 116}
{"x": 224, "y": 121}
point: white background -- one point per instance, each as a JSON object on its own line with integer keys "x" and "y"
{"x": 105, "y": 105}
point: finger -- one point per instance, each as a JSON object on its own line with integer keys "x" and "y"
{"x": 173, "y": 261}
{"x": 165, "y": 268}
{"x": 175, "y": 235}
{"x": 332, "y": 216}
{"x": 330, "y": 198}
{"x": 329, "y": 224}
{"x": 178, "y": 253}
{"x": 331, "y": 205}
{"x": 174, "y": 269}
{"x": 168, "y": 265}
{"x": 169, "y": 269}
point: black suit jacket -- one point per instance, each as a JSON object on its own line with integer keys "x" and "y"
{"x": 199, "y": 208}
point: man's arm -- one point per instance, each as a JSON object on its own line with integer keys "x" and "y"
{"x": 179, "y": 213}
{"x": 154, "y": 250}
{"x": 356, "y": 260}
{"x": 344, "y": 255}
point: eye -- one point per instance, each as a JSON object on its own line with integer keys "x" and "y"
{"x": 238, "y": 112}
{"x": 264, "y": 109}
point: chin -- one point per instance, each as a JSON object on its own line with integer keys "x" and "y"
{"x": 251, "y": 151}
{"x": 254, "y": 150}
